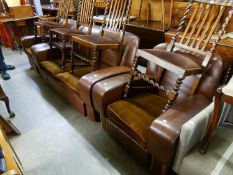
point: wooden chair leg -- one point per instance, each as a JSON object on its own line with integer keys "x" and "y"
{"x": 213, "y": 122}
{"x": 6, "y": 101}
{"x": 4, "y": 98}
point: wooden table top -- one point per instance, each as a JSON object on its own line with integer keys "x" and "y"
{"x": 6, "y": 20}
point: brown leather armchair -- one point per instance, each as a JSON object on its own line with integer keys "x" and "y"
{"x": 137, "y": 122}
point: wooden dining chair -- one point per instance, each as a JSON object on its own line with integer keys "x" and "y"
{"x": 84, "y": 16}
{"x": 194, "y": 39}
{"x": 116, "y": 16}
{"x": 60, "y": 20}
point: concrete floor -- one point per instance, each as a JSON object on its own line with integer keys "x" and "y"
{"x": 56, "y": 139}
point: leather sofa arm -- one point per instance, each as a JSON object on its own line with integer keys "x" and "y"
{"x": 108, "y": 91}
{"x": 28, "y": 41}
{"x": 88, "y": 81}
{"x": 165, "y": 130}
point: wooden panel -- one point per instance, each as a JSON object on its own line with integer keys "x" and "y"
{"x": 23, "y": 11}
{"x": 178, "y": 11}
{"x": 144, "y": 33}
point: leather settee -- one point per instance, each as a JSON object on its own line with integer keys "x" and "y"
{"x": 148, "y": 134}
{"x": 46, "y": 62}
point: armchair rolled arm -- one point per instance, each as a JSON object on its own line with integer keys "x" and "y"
{"x": 165, "y": 130}
{"x": 88, "y": 81}
{"x": 28, "y": 41}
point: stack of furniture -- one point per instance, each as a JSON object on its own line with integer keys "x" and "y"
{"x": 46, "y": 23}
{"x": 116, "y": 47}
{"x": 143, "y": 109}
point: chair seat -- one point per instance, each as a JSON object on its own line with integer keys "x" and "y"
{"x": 48, "y": 24}
{"x": 66, "y": 31}
{"x": 135, "y": 115}
{"x": 52, "y": 67}
{"x": 100, "y": 42}
{"x": 179, "y": 64}
{"x": 72, "y": 80}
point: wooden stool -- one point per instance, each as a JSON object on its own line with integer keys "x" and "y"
{"x": 224, "y": 94}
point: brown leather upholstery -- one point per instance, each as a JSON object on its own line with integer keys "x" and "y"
{"x": 61, "y": 80}
{"x": 102, "y": 90}
{"x": 72, "y": 80}
{"x": 101, "y": 93}
{"x": 51, "y": 67}
{"x": 41, "y": 52}
{"x": 124, "y": 119}
{"x": 131, "y": 43}
{"x": 164, "y": 131}
{"x": 88, "y": 81}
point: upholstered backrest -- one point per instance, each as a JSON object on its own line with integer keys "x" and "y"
{"x": 207, "y": 85}
{"x": 129, "y": 48}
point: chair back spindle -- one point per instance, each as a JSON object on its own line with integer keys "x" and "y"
{"x": 85, "y": 13}
{"x": 201, "y": 27}
{"x": 63, "y": 11}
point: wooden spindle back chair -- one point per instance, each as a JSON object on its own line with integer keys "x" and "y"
{"x": 201, "y": 26}
{"x": 194, "y": 40}
{"x": 116, "y": 15}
